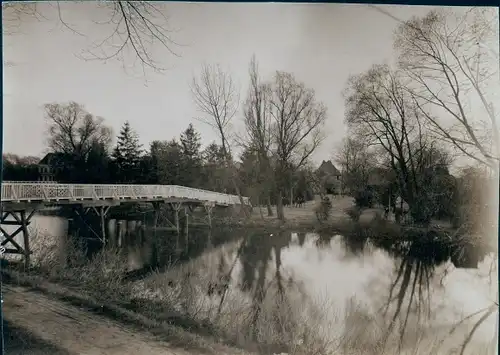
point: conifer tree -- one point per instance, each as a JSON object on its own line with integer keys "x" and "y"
{"x": 127, "y": 155}
{"x": 191, "y": 156}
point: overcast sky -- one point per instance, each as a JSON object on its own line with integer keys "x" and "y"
{"x": 322, "y": 44}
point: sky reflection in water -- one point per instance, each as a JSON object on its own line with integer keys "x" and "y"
{"x": 334, "y": 273}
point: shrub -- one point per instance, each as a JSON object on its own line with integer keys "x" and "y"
{"x": 102, "y": 275}
{"x": 323, "y": 209}
{"x": 354, "y": 213}
{"x": 364, "y": 198}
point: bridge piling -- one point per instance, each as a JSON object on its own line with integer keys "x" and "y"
{"x": 177, "y": 208}
{"x": 208, "y": 209}
{"x": 186, "y": 232}
{"x": 22, "y": 221}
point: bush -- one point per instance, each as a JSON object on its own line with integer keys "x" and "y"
{"x": 103, "y": 275}
{"x": 364, "y": 198}
{"x": 354, "y": 213}
{"x": 323, "y": 209}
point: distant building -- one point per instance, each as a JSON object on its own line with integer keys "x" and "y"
{"x": 49, "y": 166}
{"x": 330, "y": 177}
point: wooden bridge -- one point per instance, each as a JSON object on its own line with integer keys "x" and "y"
{"x": 14, "y": 193}
{"x": 21, "y": 200}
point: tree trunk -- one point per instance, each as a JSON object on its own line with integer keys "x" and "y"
{"x": 236, "y": 187}
{"x": 260, "y": 208}
{"x": 279, "y": 206}
{"x": 242, "y": 202}
{"x": 269, "y": 208}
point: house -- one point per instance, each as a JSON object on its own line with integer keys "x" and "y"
{"x": 330, "y": 177}
{"x": 49, "y": 166}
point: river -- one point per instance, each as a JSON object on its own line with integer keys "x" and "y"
{"x": 347, "y": 292}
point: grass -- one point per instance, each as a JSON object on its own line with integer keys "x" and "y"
{"x": 304, "y": 215}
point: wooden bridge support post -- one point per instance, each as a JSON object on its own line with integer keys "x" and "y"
{"x": 102, "y": 212}
{"x": 156, "y": 215}
{"x": 22, "y": 221}
{"x": 209, "y": 239}
{"x": 155, "y": 257}
{"x": 80, "y": 213}
{"x": 186, "y": 232}
{"x": 27, "y": 249}
{"x": 177, "y": 207}
{"x": 208, "y": 208}
{"x": 120, "y": 231}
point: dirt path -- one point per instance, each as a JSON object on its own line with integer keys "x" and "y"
{"x": 73, "y": 330}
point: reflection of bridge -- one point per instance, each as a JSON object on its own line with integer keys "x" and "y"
{"x": 21, "y": 200}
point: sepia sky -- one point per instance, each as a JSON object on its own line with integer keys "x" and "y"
{"x": 322, "y": 44}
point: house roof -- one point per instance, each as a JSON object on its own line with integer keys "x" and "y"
{"x": 328, "y": 168}
{"x": 51, "y": 158}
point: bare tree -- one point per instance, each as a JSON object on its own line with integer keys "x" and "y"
{"x": 217, "y": 100}
{"x": 134, "y": 25}
{"x": 297, "y": 129}
{"x": 450, "y": 65}
{"x": 356, "y": 162}
{"x": 74, "y": 131}
{"x": 258, "y": 129}
{"x": 383, "y": 113}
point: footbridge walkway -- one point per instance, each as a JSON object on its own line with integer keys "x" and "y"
{"x": 21, "y": 200}
{"x": 53, "y": 194}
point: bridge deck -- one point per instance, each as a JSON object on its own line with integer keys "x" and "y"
{"x": 54, "y": 193}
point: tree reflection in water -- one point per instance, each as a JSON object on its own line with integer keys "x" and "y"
{"x": 255, "y": 258}
{"x": 408, "y": 300}
{"x": 410, "y": 291}
{"x": 273, "y": 306}
{"x": 412, "y": 284}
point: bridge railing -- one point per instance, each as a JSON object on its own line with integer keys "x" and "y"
{"x": 26, "y": 191}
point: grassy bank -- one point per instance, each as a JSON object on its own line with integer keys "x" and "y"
{"x": 366, "y": 223}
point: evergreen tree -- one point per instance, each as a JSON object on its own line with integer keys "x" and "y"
{"x": 191, "y": 157}
{"x": 127, "y": 155}
{"x": 167, "y": 160}
{"x": 190, "y": 140}
{"x": 215, "y": 175}
{"x": 97, "y": 164}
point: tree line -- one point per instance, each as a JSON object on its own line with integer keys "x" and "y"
{"x": 81, "y": 151}
{"x": 406, "y": 124}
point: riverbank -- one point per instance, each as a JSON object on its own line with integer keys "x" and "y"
{"x": 89, "y": 301}
{"x": 55, "y": 320}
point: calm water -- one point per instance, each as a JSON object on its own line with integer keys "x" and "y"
{"x": 335, "y": 283}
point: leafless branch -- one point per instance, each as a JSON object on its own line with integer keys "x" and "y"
{"x": 298, "y": 119}
{"x": 138, "y": 26}
{"x": 258, "y": 128}
{"x": 217, "y": 99}
{"x": 447, "y": 62}
{"x": 72, "y": 130}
